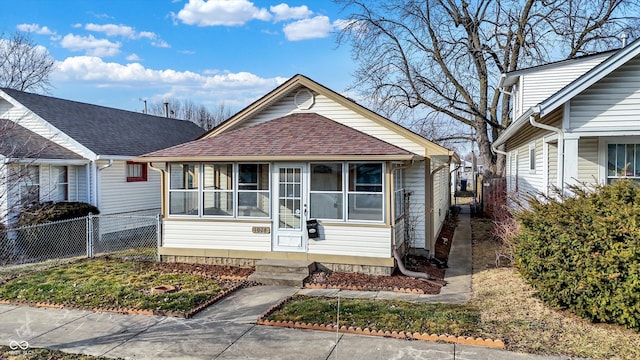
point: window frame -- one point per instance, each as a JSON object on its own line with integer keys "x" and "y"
{"x": 532, "y": 157}
{"x": 398, "y": 193}
{"x": 54, "y": 183}
{"x": 635, "y": 171}
{"x": 343, "y": 184}
{"x": 200, "y": 190}
{"x": 23, "y": 174}
{"x": 346, "y": 193}
{"x": 143, "y": 171}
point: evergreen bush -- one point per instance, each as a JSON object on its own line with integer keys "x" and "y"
{"x": 50, "y": 211}
{"x": 583, "y": 252}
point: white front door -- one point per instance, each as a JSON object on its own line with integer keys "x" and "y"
{"x": 289, "y": 208}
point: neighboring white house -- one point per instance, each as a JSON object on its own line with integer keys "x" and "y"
{"x": 245, "y": 190}
{"x": 60, "y": 150}
{"x": 574, "y": 121}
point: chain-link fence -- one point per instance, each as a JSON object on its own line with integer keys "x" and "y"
{"x": 122, "y": 236}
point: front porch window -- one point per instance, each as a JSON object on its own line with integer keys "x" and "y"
{"x": 365, "y": 192}
{"x": 325, "y": 196}
{"x": 183, "y": 189}
{"x": 253, "y": 190}
{"x": 623, "y": 162}
{"x": 219, "y": 189}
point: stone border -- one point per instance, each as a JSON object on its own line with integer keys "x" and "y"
{"x": 364, "y": 288}
{"x": 464, "y": 340}
{"x": 131, "y": 311}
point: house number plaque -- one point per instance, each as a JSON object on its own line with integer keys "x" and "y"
{"x": 261, "y": 230}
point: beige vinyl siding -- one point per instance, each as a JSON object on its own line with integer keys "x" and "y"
{"x": 119, "y": 196}
{"x": 611, "y": 104}
{"x": 528, "y": 132}
{"x": 588, "y": 169}
{"x": 530, "y": 182}
{"x": 352, "y": 240}
{"x": 341, "y": 114}
{"x": 31, "y": 122}
{"x": 441, "y": 197}
{"x": 219, "y": 235}
{"x": 552, "y": 160}
{"x": 539, "y": 85}
{"x": 414, "y": 183}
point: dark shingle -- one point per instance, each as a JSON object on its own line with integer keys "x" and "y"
{"x": 18, "y": 142}
{"x": 108, "y": 131}
{"x": 292, "y": 135}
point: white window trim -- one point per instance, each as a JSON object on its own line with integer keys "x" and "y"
{"x": 603, "y": 145}
{"x": 532, "y": 151}
{"x": 200, "y": 190}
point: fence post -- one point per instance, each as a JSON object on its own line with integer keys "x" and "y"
{"x": 158, "y": 236}
{"x": 90, "y": 235}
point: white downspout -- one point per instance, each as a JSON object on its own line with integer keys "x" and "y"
{"x": 162, "y": 187}
{"x": 534, "y": 123}
{"x": 97, "y": 180}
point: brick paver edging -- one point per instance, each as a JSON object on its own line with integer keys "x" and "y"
{"x": 364, "y": 288}
{"x": 464, "y": 340}
{"x": 120, "y": 310}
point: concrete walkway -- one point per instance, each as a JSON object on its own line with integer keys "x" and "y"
{"x": 228, "y": 330}
{"x": 225, "y": 330}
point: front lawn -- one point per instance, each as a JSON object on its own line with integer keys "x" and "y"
{"x": 457, "y": 320}
{"x": 105, "y": 283}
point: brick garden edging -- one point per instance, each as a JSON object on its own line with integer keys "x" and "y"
{"x": 464, "y": 340}
{"x": 130, "y": 311}
{"x": 363, "y": 288}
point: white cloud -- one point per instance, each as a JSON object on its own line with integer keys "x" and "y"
{"x": 35, "y": 28}
{"x": 285, "y": 12}
{"x": 221, "y": 12}
{"x": 93, "y": 68}
{"x": 133, "y": 57}
{"x": 313, "y": 28}
{"x": 90, "y": 45}
{"x": 120, "y": 30}
{"x": 112, "y": 29}
{"x": 160, "y": 43}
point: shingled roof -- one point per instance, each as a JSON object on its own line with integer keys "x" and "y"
{"x": 19, "y": 142}
{"x": 108, "y": 131}
{"x": 299, "y": 135}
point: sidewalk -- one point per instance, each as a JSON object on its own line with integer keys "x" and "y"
{"x": 228, "y": 330}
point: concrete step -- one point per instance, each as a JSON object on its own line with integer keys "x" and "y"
{"x": 271, "y": 266}
{"x": 282, "y": 279}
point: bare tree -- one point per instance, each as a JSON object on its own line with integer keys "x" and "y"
{"x": 24, "y": 65}
{"x": 445, "y": 56}
{"x": 188, "y": 110}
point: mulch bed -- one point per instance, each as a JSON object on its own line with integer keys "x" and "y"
{"x": 396, "y": 281}
{"x": 223, "y": 272}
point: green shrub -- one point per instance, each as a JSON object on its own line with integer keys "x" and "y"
{"x": 583, "y": 252}
{"x": 49, "y": 211}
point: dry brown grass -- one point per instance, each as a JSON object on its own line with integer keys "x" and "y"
{"x": 510, "y": 311}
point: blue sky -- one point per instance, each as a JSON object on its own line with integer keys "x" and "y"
{"x": 117, "y": 52}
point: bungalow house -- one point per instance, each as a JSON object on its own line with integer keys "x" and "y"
{"x": 303, "y": 173}
{"x": 574, "y": 121}
{"x": 60, "y": 150}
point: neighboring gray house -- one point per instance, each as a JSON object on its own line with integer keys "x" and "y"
{"x": 573, "y": 121}
{"x": 60, "y": 150}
